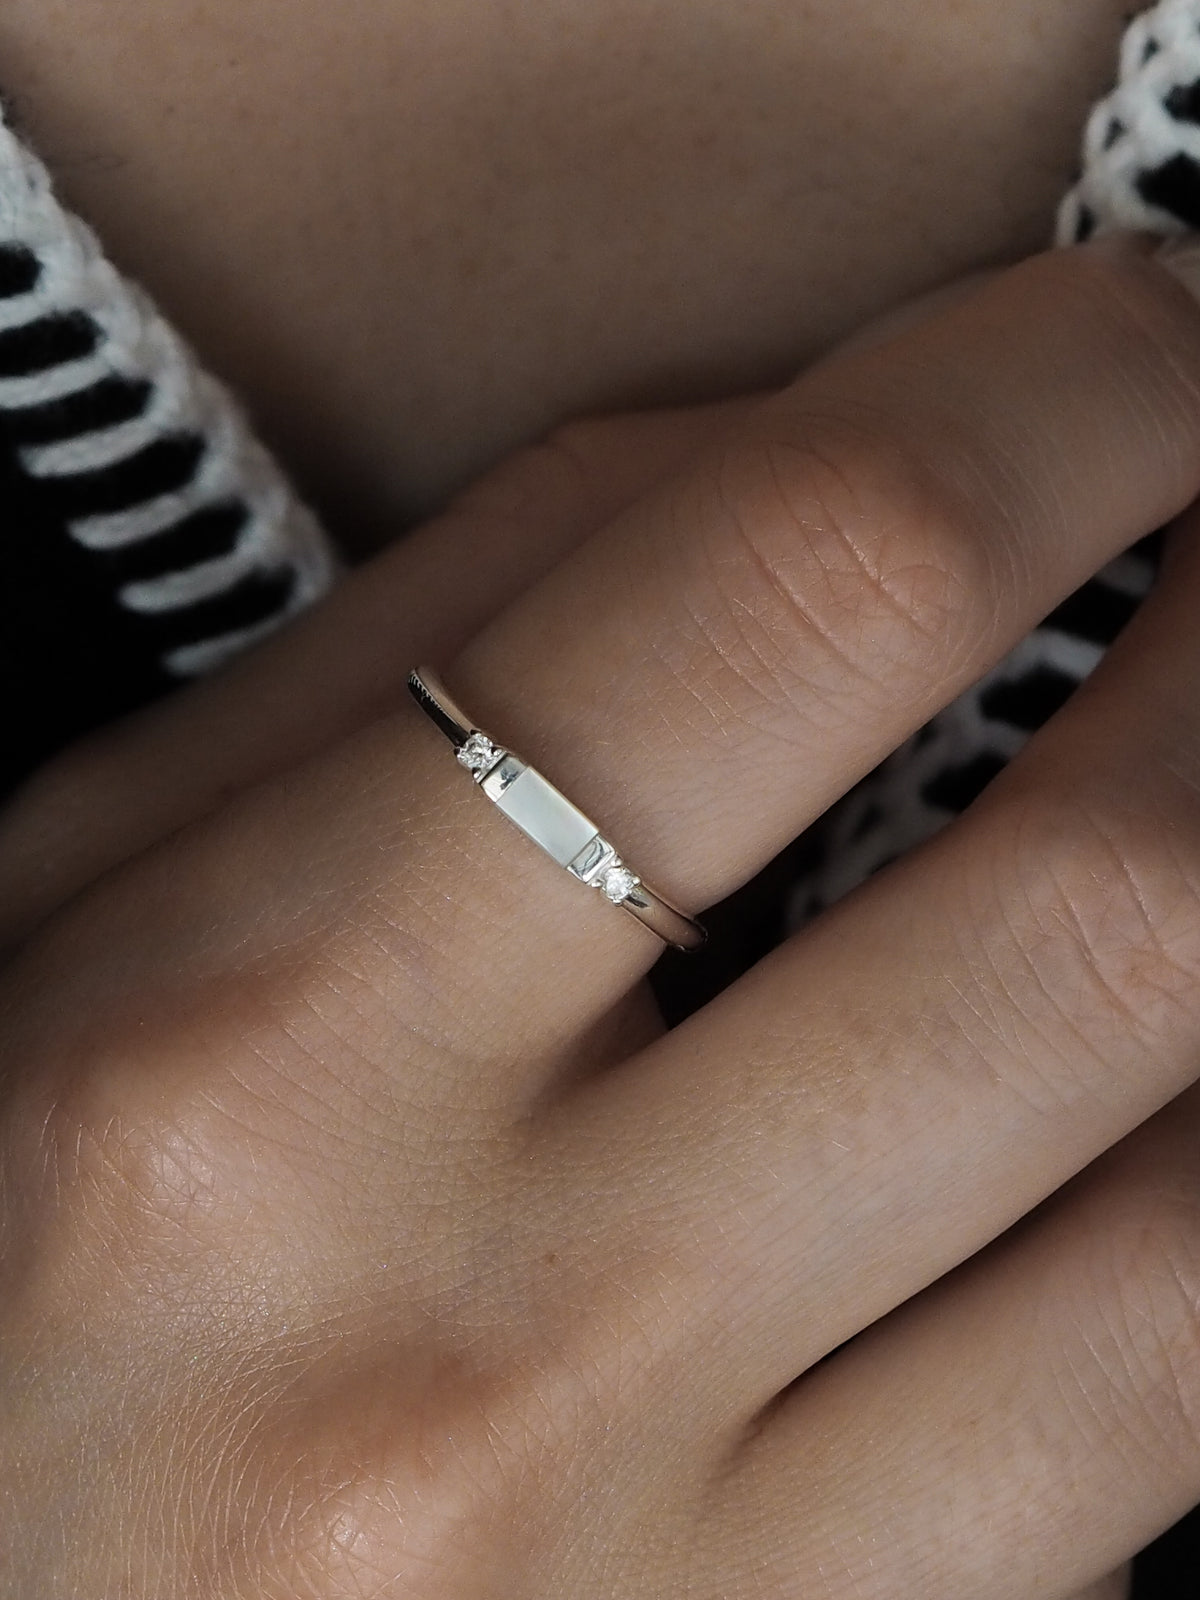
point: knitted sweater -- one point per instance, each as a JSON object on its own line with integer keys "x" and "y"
{"x": 147, "y": 536}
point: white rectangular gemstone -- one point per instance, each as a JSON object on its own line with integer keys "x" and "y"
{"x": 547, "y": 816}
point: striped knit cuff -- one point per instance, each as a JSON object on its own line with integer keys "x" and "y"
{"x": 145, "y": 535}
{"x": 1141, "y": 155}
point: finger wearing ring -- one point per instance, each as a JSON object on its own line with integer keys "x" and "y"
{"x": 545, "y": 815}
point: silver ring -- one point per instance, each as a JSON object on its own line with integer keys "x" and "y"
{"x": 549, "y": 818}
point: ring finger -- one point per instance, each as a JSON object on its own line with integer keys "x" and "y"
{"x": 335, "y": 670}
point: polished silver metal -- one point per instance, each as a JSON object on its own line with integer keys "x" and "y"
{"x": 547, "y": 817}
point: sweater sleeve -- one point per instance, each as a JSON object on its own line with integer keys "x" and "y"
{"x": 146, "y": 536}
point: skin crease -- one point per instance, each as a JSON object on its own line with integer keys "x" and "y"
{"x": 482, "y": 220}
{"x": 681, "y": 153}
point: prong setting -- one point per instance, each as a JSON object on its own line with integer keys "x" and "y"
{"x": 600, "y": 867}
{"x": 618, "y": 883}
{"x": 479, "y": 755}
{"x": 546, "y": 816}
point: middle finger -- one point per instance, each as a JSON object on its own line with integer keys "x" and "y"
{"x": 706, "y": 677}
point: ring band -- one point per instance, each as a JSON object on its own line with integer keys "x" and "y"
{"x": 549, "y": 818}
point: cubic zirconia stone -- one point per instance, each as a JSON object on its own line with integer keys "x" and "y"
{"x": 619, "y": 883}
{"x": 479, "y": 754}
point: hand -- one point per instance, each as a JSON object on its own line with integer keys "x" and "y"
{"x": 366, "y": 1235}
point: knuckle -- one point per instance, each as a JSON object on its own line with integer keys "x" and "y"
{"x": 414, "y": 1480}
{"x": 449, "y": 1470}
{"x": 1103, "y": 904}
{"x": 834, "y": 559}
{"x": 133, "y": 1164}
{"x": 130, "y": 1172}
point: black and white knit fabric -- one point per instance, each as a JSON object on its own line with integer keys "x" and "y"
{"x": 1141, "y": 169}
{"x": 147, "y": 536}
